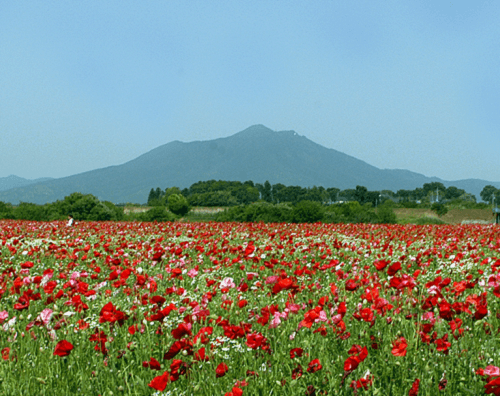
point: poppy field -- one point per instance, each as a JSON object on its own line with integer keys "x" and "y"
{"x": 128, "y": 308}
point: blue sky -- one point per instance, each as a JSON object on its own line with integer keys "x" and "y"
{"x": 399, "y": 84}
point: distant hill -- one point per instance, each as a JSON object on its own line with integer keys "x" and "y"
{"x": 12, "y": 181}
{"x": 256, "y": 154}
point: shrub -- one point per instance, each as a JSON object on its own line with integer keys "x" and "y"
{"x": 351, "y": 212}
{"x": 439, "y": 208}
{"x": 386, "y": 214}
{"x": 236, "y": 213}
{"x": 259, "y": 211}
{"x": 268, "y": 213}
{"x": 307, "y": 212}
{"x": 157, "y": 213}
{"x": 30, "y": 211}
{"x": 6, "y": 211}
{"x": 178, "y": 204}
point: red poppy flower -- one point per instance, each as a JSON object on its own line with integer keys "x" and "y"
{"x": 5, "y": 353}
{"x": 352, "y": 362}
{"x": 200, "y": 356}
{"x": 221, "y": 370}
{"x": 481, "y": 312}
{"x": 160, "y": 383}
{"x": 493, "y": 387}
{"x": 442, "y": 383}
{"x": 242, "y": 303}
{"x": 297, "y": 372}
{"x": 366, "y": 314}
{"x": 309, "y": 318}
{"x": 153, "y": 364}
{"x": 442, "y": 344}
{"x": 177, "y": 368}
{"x": 27, "y": 264}
{"x": 399, "y": 347}
{"x": 256, "y": 340}
{"x": 380, "y": 264}
{"x": 394, "y": 268}
{"x": 296, "y": 352}
{"x": 173, "y": 351}
{"x": 314, "y": 366}
{"x": 362, "y": 383}
{"x": 23, "y": 303}
{"x": 235, "y": 392}
{"x": 414, "y": 388}
{"x": 109, "y": 313}
{"x": 63, "y": 348}
{"x": 182, "y": 330}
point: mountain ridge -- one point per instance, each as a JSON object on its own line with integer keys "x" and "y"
{"x": 256, "y": 153}
{"x": 13, "y": 181}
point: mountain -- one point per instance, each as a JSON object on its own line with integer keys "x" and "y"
{"x": 256, "y": 154}
{"x": 12, "y": 181}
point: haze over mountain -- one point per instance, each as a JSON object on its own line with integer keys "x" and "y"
{"x": 13, "y": 181}
{"x": 256, "y": 154}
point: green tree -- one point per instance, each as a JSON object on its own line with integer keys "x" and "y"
{"x": 386, "y": 213}
{"x": 468, "y": 197}
{"x": 307, "y": 212}
{"x": 433, "y": 186}
{"x": 453, "y": 192}
{"x": 172, "y": 190}
{"x": 419, "y": 193}
{"x": 439, "y": 208}
{"x": 351, "y": 212}
{"x": 6, "y": 211}
{"x": 332, "y": 194}
{"x": 244, "y": 193}
{"x": 317, "y": 194}
{"x": 373, "y": 197}
{"x": 278, "y": 193}
{"x": 404, "y": 195}
{"x": 158, "y": 213}
{"x": 347, "y": 195}
{"x": 434, "y": 191}
{"x": 30, "y": 211}
{"x": 84, "y": 207}
{"x": 487, "y": 193}
{"x": 151, "y": 196}
{"x": 361, "y": 194}
{"x": 267, "y": 192}
{"x": 213, "y": 198}
{"x": 178, "y": 204}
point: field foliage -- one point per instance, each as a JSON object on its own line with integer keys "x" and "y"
{"x": 129, "y": 308}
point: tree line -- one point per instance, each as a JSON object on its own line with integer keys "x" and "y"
{"x": 79, "y": 206}
{"x": 248, "y": 201}
{"x": 88, "y": 207}
{"x": 220, "y": 193}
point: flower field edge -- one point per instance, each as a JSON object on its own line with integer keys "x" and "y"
{"x": 110, "y": 308}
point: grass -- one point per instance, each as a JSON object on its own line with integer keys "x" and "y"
{"x": 454, "y": 216}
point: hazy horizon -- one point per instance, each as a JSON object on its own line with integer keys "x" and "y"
{"x": 398, "y": 85}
